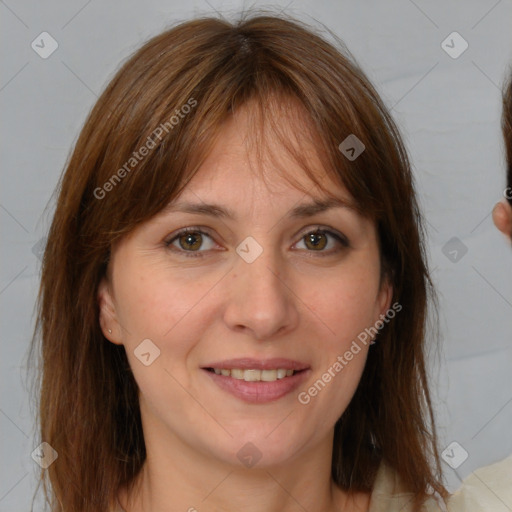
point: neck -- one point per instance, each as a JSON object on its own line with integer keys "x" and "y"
{"x": 176, "y": 476}
{"x": 268, "y": 490}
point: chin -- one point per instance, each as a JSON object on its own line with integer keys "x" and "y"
{"x": 262, "y": 451}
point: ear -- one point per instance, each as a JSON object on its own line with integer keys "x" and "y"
{"x": 502, "y": 217}
{"x": 385, "y": 296}
{"x": 108, "y": 319}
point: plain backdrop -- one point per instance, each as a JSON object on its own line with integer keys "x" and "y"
{"x": 448, "y": 107}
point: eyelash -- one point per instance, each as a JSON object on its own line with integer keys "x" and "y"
{"x": 342, "y": 240}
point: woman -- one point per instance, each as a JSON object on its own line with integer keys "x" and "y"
{"x": 234, "y": 290}
{"x": 490, "y": 487}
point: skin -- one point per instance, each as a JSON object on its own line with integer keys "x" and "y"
{"x": 502, "y": 217}
{"x": 290, "y": 302}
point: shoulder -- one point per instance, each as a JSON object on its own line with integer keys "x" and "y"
{"x": 390, "y": 495}
{"x": 488, "y": 488}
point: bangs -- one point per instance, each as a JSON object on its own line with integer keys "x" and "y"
{"x": 279, "y": 122}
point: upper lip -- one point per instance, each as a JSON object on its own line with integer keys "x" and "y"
{"x": 247, "y": 363}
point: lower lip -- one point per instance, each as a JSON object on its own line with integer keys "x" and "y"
{"x": 259, "y": 392}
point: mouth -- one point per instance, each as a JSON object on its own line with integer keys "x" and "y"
{"x": 258, "y": 381}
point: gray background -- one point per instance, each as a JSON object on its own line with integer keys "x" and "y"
{"x": 448, "y": 109}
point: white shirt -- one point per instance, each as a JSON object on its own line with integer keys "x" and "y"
{"x": 488, "y": 489}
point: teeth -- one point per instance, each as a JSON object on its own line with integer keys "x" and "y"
{"x": 255, "y": 375}
{"x": 236, "y": 374}
{"x": 281, "y": 374}
{"x": 268, "y": 375}
{"x": 251, "y": 375}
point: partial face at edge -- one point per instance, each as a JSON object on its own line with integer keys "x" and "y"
{"x": 304, "y": 299}
{"x": 502, "y": 217}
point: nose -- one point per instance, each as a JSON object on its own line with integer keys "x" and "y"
{"x": 261, "y": 302}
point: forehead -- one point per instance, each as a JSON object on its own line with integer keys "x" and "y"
{"x": 265, "y": 151}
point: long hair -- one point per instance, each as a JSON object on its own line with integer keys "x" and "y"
{"x": 89, "y": 411}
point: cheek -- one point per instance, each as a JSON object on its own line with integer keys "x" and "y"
{"x": 346, "y": 304}
{"x": 156, "y": 301}
{"x": 168, "y": 308}
{"x": 343, "y": 309}
{"x": 155, "y": 306}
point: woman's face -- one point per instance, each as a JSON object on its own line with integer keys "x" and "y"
{"x": 250, "y": 292}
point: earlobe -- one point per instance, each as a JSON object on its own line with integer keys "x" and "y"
{"x": 502, "y": 217}
{"x": 107, "y": 313}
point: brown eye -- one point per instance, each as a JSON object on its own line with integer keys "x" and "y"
{"x": 315, "y": 241}
{"x": 190, "y": 241}
{"x": 323, "y": 241}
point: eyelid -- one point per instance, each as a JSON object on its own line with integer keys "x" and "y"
{"x": 188, "y": 229}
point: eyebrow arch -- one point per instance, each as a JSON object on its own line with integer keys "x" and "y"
{"x": 301, "y": 211}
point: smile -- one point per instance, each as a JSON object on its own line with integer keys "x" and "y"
{"x": 254, "y": 375}
{"x": 258, "y": 381}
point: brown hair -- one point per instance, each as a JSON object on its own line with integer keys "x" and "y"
{"x": 506, "y": 123}
{"x": 89, "y": 409}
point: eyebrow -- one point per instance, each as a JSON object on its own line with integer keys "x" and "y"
{"x": 301, "y": 211}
